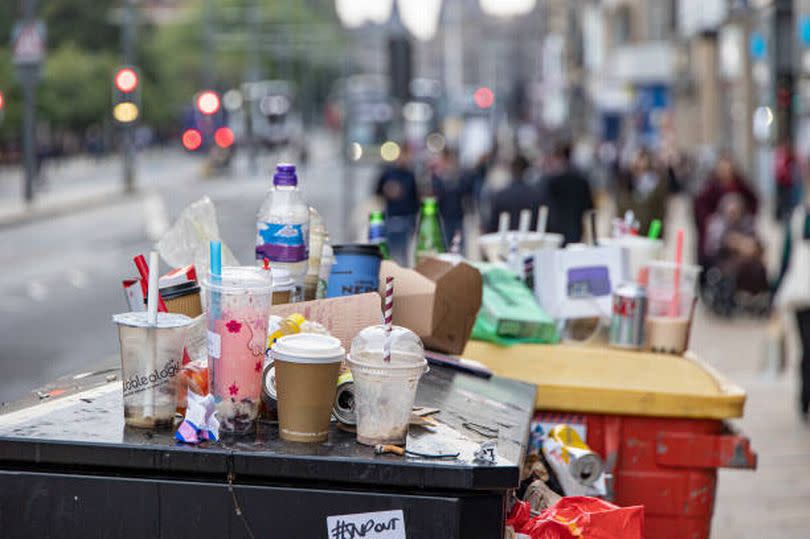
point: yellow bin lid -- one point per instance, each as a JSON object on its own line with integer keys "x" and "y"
{"x": 601, "y": 380}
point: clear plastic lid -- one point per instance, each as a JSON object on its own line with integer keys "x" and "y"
{"x": 140, "y": 319}
{"x": 235, "y": 279}
{"x": 282, "y": 279}
{"x": 367, "y": 346}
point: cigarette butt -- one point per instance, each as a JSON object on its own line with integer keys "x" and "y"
{"x": 382, "y": 449}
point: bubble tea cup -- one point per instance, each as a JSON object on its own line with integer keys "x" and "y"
{"x": 237, "y": 309}
{"x": 151, "y": 358}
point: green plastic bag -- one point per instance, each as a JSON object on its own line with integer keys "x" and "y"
{"x": 509, "y": 311}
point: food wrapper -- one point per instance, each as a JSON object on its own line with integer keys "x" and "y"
{"x": 201, "y": 421}
{"x": 186, "y": 242}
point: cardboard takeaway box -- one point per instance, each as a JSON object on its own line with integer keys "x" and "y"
{"x": 437, "y": 300}
{"x": 344, "y": 317}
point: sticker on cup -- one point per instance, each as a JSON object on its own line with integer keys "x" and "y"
{"x": 214, "y": 344}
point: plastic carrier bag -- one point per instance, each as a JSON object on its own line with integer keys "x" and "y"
{"x": 579, "y": 517}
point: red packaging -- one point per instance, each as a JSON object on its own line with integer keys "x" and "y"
{"x": 580, "y": 517}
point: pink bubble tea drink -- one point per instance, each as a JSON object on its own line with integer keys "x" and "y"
{"x": 238, "y": 307}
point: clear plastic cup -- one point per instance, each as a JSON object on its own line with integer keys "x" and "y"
{"x": 151, "y": 358}
{"x": 238, "y": 308}
{"x": 671, "y": 293}
{"x": 641, "y": 251}
{"x": 384, "y": 392}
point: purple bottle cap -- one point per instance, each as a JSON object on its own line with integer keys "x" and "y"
{"x": 285, "y": 175}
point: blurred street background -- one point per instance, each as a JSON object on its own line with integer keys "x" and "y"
{"x": 117, "y": 114}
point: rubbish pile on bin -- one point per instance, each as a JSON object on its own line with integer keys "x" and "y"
{"x": 312, "y": 333}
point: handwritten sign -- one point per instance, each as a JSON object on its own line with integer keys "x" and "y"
{"x": 378, "y": 525}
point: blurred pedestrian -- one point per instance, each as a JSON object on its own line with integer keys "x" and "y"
{"x": 737, "y": 280}
{"x": 453, "y": 188}
{"x": 397, "y": 187}
{"x": 644, "y": 190}
{"x": 567, "y": 193}
{"x": 514, "y": 198}
{"x": 784, "y": 163}
{"x": 723, "y": 180}
{"x": 793, "y": 288}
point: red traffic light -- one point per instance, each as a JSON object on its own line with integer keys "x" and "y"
{"x": 126, "y": 80}
{"x": 2, "y": 100}
{"x": 484, "y": 97}
{"x": 223, "y": 137}
{"x": 192, "y": 139}
{"x": 208, "y": 102}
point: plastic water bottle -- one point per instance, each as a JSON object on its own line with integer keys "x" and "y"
{"x": 282, "y": 226}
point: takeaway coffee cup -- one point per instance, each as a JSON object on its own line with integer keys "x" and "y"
{"x": 283, "y": 286}
{"x": 150, "y": 364}
{"x": 183, "y": 298}
{"x": 307, "y": 367}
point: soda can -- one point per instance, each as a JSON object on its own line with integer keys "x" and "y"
{"x": 268, "y": 408}
{"x": 343, "y": 409}
{"x": 628, "y": 316}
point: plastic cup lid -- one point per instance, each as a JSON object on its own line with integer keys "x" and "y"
{"x": 241, "y": 279}
{"x": 308, "y": 348}
{"x": 669, "y": 265}
{"x": 281, "y": 279}
{"x": 164, "y": 320}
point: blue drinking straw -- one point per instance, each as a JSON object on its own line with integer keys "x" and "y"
{"x": 216, "y": 276}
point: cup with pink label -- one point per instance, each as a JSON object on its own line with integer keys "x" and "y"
{"x": 237, "y": 308}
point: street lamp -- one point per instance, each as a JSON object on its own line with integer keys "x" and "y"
{"x": 420, "y": 17}
{"x": 506, "y": 8}
{"x": 356, "y": 13}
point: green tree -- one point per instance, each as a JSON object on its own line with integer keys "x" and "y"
{"x": 75, "y": 92}
{"x": 89, "y": 24}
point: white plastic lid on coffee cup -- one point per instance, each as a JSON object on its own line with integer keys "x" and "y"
{"x": 282, "y": 280}
{"x": 308, "y": 348}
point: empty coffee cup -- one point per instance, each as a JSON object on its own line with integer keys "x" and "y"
{"x": 306, "y": 368}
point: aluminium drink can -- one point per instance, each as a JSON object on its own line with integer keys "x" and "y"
{"x": 343, "y": 409}
{"x": 628, "y": 316}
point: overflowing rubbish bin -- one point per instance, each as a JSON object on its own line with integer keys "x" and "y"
{"x": 659, "y": 421}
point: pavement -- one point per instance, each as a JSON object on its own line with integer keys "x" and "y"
{"x": 772, "y": 501}
{"x": 63, "y": 267}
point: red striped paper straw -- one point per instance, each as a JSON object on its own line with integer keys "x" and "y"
{"x": 388, "y": 316}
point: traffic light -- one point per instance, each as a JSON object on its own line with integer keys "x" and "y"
{"x": 126, "y": 95}
{"x": 207, "y": 102}
{"x": 2, "y": 105}
{"x": 484, "y": 97}
{"x": 223, "y": 137}
{"x": 192, "y": 139}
